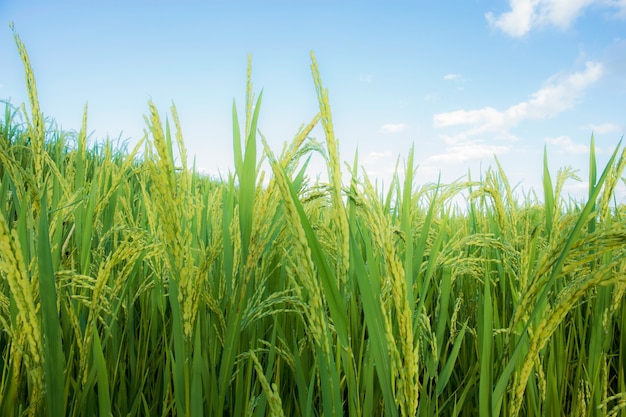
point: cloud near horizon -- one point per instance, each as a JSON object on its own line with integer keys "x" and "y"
{"x": 393, "y": 128}
{"x": 604, "y": 128}
{"x": 528, "y": 14}
{"x": 566, "y": 144}
{"x": 468, "y": 151}
{"x": 374, "y": 156}
{"x": 558, "y": 94}
{"x": 480, "y": 126}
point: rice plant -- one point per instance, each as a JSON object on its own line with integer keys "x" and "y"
{"x": 131, "y": 284}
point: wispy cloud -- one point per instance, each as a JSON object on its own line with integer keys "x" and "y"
{"x": 377, "y": 156}
{"x": 393, "y": 128}
{"x": 479, "y": 126}
{"x": 456, "y": 79}
{"x": 567, "y": 145}
{"x": 527, "y": 14}
{"x": 468, "y": 151}
{"x": 367, "y": 78}
{"x": 621, "y": 8}
{"x": 557, "y": 95}
{"x": 431, "y": 96}
{"x": 452, "y": 77}
{"x": 379, "y": 165}
{"x": 604, "y": 128}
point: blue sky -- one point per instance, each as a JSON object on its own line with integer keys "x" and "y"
{"x": 461, "y": 80}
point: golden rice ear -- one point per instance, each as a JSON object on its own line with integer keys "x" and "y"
{"x": 340, "y": 219}
{"x": 26, "y": 325}
{"x": 272, "y": 394}
{"x": 37, "y": 128}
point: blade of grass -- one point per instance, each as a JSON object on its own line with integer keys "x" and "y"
{"x": 372, "y": 309}
{"x": 486, "y": 352}
{"x": 548, "y": 194}
{"x": 54, "y": 360}
{"x": 444, "y": 300}
{"x": 104, "y": 399}
{"x": 448, "y": 367}
{"x": 326, "y": 276}
{"x": 196, "y": 406}
{"x": 407, "y": 227}
{"x": 592, "y": 179}
{"x": 247, "y": 184}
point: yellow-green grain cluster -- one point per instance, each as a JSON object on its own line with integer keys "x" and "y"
{"x": 21, "y": 293}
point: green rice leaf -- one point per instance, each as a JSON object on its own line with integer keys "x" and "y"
{"x": 336, "y": 303}
{"x": 548, "y": 194}
{"x": 592, "y": 179}
{"x": 104, "y": 399}
{"x": 407, "y": 227}
{"x": 446, "y": 371}
{"x": 486, "y": 352}
{"x": 247, "y": 185}
{"x": 369, "y": 289}
{"x": 237, "y": 141}
{"x": 54, "y": 360}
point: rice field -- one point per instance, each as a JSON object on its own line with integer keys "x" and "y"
{"x": 132, "y": 285}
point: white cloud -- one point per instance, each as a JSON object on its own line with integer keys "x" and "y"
{"x": 368, "y": 78}
{"x": 486, "y": 115}
{"x": 468, "y": 151}
{"x": 565, "y": 144}
{"x": 377, "y": 156}
{"x": 558, "y": 95}
{"x": 452, "y": 77}
{"x": 431, "y": 96}
{"x": 518, "y": 21}
{"x": 621, "y": 6}
{"x": 527, "y": 14}
{"x": 379, "y": 165}
{"x": 393, "y": 128}
{"x": 604, "y": 128}
{"x": 478, "y": 126}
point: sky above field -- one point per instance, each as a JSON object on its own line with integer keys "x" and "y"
{"x": 460, "y": 80}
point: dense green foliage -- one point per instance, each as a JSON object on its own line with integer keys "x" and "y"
{"x": 132, "y": 285}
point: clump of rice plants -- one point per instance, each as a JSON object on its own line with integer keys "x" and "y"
{"x": 137, "y": 286}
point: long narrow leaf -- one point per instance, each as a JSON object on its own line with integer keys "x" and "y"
{"x": 54, "y": 361}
